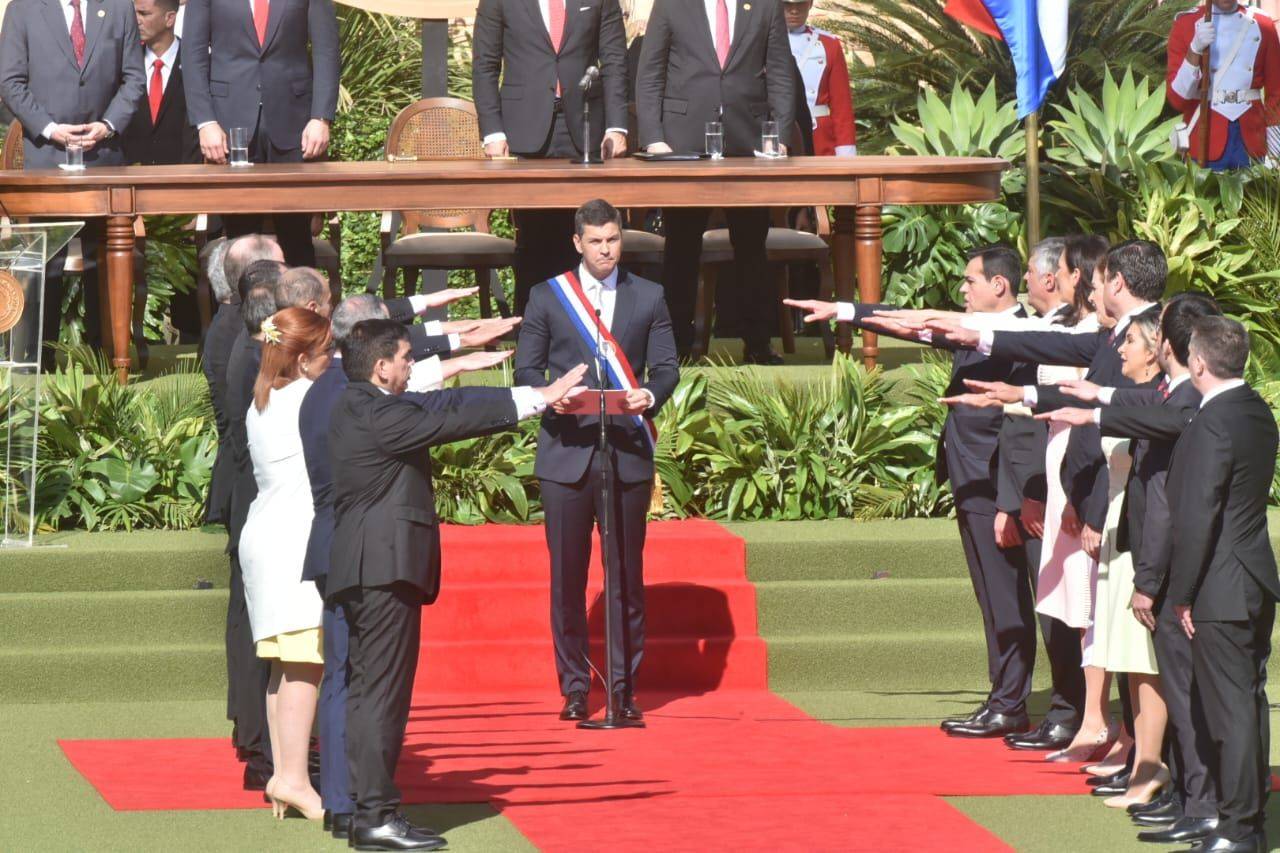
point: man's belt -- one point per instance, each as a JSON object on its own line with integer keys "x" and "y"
{"x": 1237, "y": 96}
{"x": 820, "y": 110}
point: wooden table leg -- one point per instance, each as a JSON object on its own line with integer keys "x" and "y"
{"x": 842, "y": 259}
{"x": 120, "y": 290}
{"x": 869, "y": 249}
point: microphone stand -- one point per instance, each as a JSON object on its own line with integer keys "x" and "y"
{"x": 612, "y": 719}
{"x": 587, "y": 158}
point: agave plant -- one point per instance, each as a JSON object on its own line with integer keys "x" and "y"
{"x": 1122, "y": 131}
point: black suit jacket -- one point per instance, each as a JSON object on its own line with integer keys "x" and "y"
{"x": 1020, "y": 455}
{"x": 550, "y": 346}
{"x": 970, "y": 436}
{"x": 276, "y": 87}
{"x": 511, "y": 43}
{"x": 383, "y": 504}
{"x": 1219, "y": 481}
{"x": 242, "y": 373}
{"x": 171, "y": 138}
{"x": 680, "y": 85}
{"x": 1154, "y": 422}
{"x": 219, "y": 341}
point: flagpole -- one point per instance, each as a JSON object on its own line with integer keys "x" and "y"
{"x": 1033, "y": 179}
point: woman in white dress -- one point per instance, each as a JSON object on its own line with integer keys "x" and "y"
{"x": 284, "y": 610}
{"x": 1121, "y": 643}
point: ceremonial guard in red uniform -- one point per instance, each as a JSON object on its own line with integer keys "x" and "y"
{"x": 820, "y": 58}
{"x": 1244, "y": 108}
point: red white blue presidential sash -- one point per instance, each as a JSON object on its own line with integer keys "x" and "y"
{"x": 618, "y": 370}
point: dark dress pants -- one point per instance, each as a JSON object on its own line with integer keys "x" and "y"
{"x": 335, "y": 781}
{"x": 247, "y": 678}
{"x": 999, "y": 577}
{"x": 544, "y": 238}
{"x": 1062, "y": 646}
{"x": 1190, "y": 749}
{"x": 293, "y": 230}
{"x": 385, "y": 626}
{"x": 572, "y": 511}
{"x": 748, "y": 230}
{"x": 1229, "y": 665}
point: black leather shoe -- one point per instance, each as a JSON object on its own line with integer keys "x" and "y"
{"x": 256, "y": 778}
{"x": 1217, "y": 844}
{"x": 992, "y": 725}
{"x": 1095, "y": 781}
{"x": 1158, "y": 804}
{"x": 1163, "y": 816}
{"x": 626, "y": 706}
{"x": 1046, "y": 736}
{"x": 338, "y": 824}
{"x": 575, "y": 706}
{"x": 1112, "y": 789}
{"x": 396, "y": 834}
{"x": 951, "y": 722}
{"x": 765, "y": 356}
{"x": 1181, "y": 831}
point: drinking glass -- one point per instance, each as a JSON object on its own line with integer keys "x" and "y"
{"x": 75, "y": 157}
{"x": 239, "y": 143}
{"x": 715, "y": 140}
{"x": 769, "y": 139}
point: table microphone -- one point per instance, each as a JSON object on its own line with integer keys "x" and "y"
{"x": 592, "y": 75}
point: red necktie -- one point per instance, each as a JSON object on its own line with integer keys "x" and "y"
{"x": 260, "y": 12}
{"x": 77, "y": 33}
{"x": 722, "y": 32}
{"x": 555, "y": 28}
{"x": 1163, "y": 387}
{"x": 157, "y": 89}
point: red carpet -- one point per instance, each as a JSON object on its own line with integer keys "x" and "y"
{"x": 724, "y": 764}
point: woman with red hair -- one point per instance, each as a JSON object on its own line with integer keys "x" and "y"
{"x": 284, "y": 610}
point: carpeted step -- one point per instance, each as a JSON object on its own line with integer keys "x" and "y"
{"x": 114, "y": 673}
{"x": 930, "y": 605}
{"x": 57, "y": 620}
{"x": 149, "y": 559}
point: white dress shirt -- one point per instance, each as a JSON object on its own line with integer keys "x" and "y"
{"x": 603, "y": 296}
{"x": 710, "y": 6}
{"x": 1229, "y": 385}
{"x": 68, "y": 15}
{"x": 546, "y": 23}
{"x": 169, "y": 57}
{"x": 177, "y": 22}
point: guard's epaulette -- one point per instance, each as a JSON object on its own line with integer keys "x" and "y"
{"x": 1191, "y": 11}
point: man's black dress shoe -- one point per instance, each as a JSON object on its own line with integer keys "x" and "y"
{"x": 765, "y": 356}
{"x": 396, "y": 834}
{"x": 256, "y": 778}
{"x": 1046, "y": 736}
{"x": 626, "y": 706}
{"x": 1158, "y": 804}
{"x": 575, "y": 706}
{"x": 993, "y": 724}
{"x": 1095, "y": 781}
{"x": 1113, "y": 789}
{"x": 1217, "y": 844}
{"x": 338, "y": 824}
{"x": 1163, "y": 816}
{"x": 1183, "y": 830}
{"x": 951, "y": 722}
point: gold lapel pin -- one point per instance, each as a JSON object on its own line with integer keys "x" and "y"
{"x": 101, "y": 13}
{"x": 746, "y": 7}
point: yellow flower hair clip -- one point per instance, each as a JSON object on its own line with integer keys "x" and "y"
{"x": 270, "y": 333}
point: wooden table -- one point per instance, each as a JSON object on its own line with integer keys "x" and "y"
{"x": 857, "y": 187}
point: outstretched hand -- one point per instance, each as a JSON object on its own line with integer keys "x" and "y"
{"x": 1070, "y": 416}
{"x": 954, "y": 332}
{"x": 818, "y": 310}
{"x": 978, "y": 401}
{"x": 1002, "y": 391}
{"x": 1081, "y": 389}
{"x": 893, "y": 325}
{"x": 565, "y": 387}
{"x": 486, "y": 331}
{"x": 441, "y": 298}
{"x": 482, "y": 360}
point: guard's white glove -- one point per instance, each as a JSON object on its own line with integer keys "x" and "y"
{"x": 1203, "y": 39}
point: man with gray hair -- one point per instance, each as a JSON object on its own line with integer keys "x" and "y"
{"x": 242, "y": 252}
{"x": 219, "y": 339}
{"x": 313, "y": 422}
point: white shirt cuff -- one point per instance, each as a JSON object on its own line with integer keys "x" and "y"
{"x": 1097, "y": 417}
{"x": 1104, "y": 397}
{"x": 202, "y": 125}
{"x": 653, "y": 401}
{"x": 845, "y": 312}
{"x": 455, "y": 342}
{"x": 846, "y": 151}
{"x": 528, "y": 401}
{"x": 426, "y": 375}
{"x": 432, "y": 327}
{"x": 419, "y": 304}
{"x": 1186, "y": 82}
{"x": 494, "y": 137}
{"x": 49, "y": 128}
{"x": 1030, "y": 396}
{"x": 986, "y": 338}
{"x": 621, "y": 130}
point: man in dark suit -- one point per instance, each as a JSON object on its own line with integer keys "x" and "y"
{"x": 1222, "y": 580}
{"x": 160, "y": 131}
{"x": 215, "y": 353}
{"x": 385, "y": 560}
{"x": 270, "y": 66}
{"x": 71, "y": 73}
{"x": 313, "y": 422}
{"x": 967, "y": 459}
{"x": 541, "y": 49}
{"x": 728, "y": 61}
{"x": 1155, "y": 418}
{"x": 568, "y": 464}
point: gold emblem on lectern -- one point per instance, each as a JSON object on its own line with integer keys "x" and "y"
{"x": 11, "y": 301}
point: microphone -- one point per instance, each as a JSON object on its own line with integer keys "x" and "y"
{"x": 592, "y": 75}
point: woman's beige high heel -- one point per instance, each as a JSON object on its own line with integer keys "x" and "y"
{"x": 1088, "y": 750}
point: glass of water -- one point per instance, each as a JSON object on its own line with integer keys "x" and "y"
{"x": 75, "y": 156}
{"x": 715, "y": 140}
{"x": 769, "y": 139}
{"x": 239, "y": 143}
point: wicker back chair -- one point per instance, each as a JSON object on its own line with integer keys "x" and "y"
{"x": 440, "y": 129}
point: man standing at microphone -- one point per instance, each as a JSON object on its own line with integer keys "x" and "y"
{"x": 590, "y": 307}
{"x": 542, "y": 52}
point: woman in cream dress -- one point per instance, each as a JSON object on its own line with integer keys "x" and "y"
{"x": 284, "y": 610}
